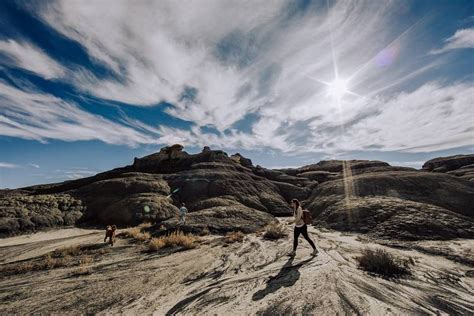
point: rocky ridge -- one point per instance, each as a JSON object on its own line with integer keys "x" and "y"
{"x": 225, "y": 193}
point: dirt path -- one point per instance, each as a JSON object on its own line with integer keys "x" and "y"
{"x": 251, "y": 277}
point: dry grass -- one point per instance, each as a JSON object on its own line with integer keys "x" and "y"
{"x": 232, "y": 237}
{"x": 143, "y": 226}
{"x": 80, "y": 272}
{"x": 176, "y": 239}
{"x": 274, "y": 231}
{"x": 205, "y": 231}
{"x": 135, "y": 233}
{"x": 381, "y": 262}
{"x": 85, "y": 260}
{"x": 79, "y": 255}
{"x": 67, "y": 251}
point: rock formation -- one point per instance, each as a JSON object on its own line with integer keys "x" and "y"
{"x": 228, "y": 193}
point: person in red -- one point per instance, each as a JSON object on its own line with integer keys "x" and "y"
{"x": 110, "y": 233}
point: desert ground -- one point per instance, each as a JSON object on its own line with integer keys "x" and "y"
{"x": 252, "y": 276}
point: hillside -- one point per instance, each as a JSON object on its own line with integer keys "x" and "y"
{"x": 226, "y": 193}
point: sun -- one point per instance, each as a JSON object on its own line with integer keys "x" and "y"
{"x": 337, "y": 88}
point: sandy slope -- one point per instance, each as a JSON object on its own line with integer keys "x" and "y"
{"x": 252, "y": 277}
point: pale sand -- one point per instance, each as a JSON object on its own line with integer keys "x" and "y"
{"x": 252, "y": 277}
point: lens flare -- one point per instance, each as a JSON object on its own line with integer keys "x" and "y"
{"x": 337, "y": 88}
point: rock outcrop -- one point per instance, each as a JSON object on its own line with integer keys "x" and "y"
{"x": 391, "y": 217}
{"x": 460, "y": 166}
{"x": 444, "y": 164}
{"x": 22, "y": 213}
{"x": 225, "y": 193}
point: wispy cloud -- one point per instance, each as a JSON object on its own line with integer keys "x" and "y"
{"x": 463, "y": 38}
{"x": 33, "y": 165}
{"x": 8, "y": 165}
{"x": 39, "y": 116}
{"x": 25, "y": 55}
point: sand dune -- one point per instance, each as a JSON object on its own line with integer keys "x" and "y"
{"x": 250, "y": 277}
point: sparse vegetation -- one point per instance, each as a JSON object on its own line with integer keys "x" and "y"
{"x": 67, "y": 251}
{"x": 232, "y": 237}
{"x": 381, "y": 262}
{"x": 143, "y": 226}
{"x": 176, "y": 239}
{"x": 274, "y": 231}
{"x": 80, "y": 255}
{"x": 136, "y": 234}
{"x": 205, "y": 231}
{"x": 81, "y": 271}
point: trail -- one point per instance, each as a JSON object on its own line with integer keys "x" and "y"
{"x": 252, "y": 277}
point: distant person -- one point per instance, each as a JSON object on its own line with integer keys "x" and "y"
{"x": 300, "y": 228}
{"x": 110, "y": 233}
{"x": 182, "y": 214}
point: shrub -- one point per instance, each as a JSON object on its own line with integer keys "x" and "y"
{"x": 381, "y": 262}
{"x": 176, "y": 239}
{"x": 232, "y": 237}
{"x": 274, "y": 231}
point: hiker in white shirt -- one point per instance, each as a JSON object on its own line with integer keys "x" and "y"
{"x": 182, "y": 214}
{"x": 300, "y": 228}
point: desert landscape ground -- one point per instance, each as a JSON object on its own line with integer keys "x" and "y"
{"x": 54, "y": 259}
{"x": 252, "y": 276}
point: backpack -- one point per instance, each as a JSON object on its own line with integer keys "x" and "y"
{"x": 307, "y": 218}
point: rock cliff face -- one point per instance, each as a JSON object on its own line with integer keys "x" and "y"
{"x": 226, "y": 193}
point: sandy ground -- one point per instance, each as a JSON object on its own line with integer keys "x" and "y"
{"x": 250, "y": 277}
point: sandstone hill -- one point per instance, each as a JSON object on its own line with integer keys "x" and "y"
{"x": 225, "y": 193}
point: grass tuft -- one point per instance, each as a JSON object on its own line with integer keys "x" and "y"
{"x": 176, "y": 239}
{"x": 135, "y": 233}
{"x": 232, "y": 237}
{"x": 274, "y": 231}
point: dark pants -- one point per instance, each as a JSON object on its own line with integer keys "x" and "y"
{"x": 303, "y": 230}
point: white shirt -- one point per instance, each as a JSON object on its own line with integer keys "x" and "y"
{"x": 299, "y": 222}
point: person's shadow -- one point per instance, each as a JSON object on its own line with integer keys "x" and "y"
{"x": 286, "y": 277}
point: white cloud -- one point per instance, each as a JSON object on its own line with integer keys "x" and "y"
{"x": 31, "y": 58}
{"x": 252, "y": 57}
{"x": 8, "y": 165}
{"x": 463, "y": 38}
{"x": 34, "y": 115}
{"x": 33, "y": 165}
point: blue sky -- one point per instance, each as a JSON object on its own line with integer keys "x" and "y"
{"x": 85, "y": 86}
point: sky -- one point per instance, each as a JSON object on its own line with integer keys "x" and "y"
{"x": 86, "y": 86}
